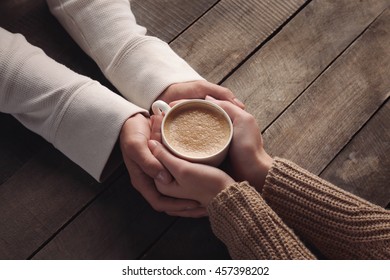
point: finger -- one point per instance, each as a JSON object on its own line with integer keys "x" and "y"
{"x": 152, "y": 167}
{"x": 172, "y": 189}
{"x": 170, "y": 204}
{"x": 171, "y": 162}
{"x": 145, "y": 186}
{"x": 222, "y": 93}
{"x": 141, "y": 154}
{"x": 134, "y": 145}
{"x": 231, "y": 110}
{"x": 173, "y": 103}
{"x": 156, "y": 128}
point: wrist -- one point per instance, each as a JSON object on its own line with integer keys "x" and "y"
{"x": 225, "y": 182}
{"x": 264, "y": 164}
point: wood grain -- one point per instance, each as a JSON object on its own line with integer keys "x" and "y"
{"x": 286, "y": 65}
{"x": 17, "y": 146}
{"x": 297, "y": 51}
{"x": 71, "y": 235}
{"x": 327, "y": 115}
{"x": 38, "y": 199}
{"x": 49, "y": 205}
{"x": 228, "y": 33}
{"x": 279, "y": 72}
{"x": 19, "y": 9}
{"x": 363, "y": 166}
{"x": 167, "y": 19}
{"x": 118, "y": 225}
{"x": 43, "y": 192}
{"x": 192, "y": 239}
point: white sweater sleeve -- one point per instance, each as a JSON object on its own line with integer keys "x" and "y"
{"x": 77, "y": 115}
{"x": 139, "y": 66}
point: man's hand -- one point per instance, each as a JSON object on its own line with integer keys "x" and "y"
{"x": 198, "y": 89}
{"x": 144, "y": 168}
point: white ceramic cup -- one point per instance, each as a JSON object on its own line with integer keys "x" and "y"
{"x": 214, "y": 158}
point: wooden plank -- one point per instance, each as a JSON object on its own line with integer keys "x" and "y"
{"x": 37, "y": 24}
{"x": 19, "y": 8}
{"x": 167, "y": 19}
{"x": 38, "y": 200}
{"x": 327, "y": 115}
{"x": 273, "y": 77}
{"x": 164, "y": 19}
{"x": 363, "y": 166}
{"x": 71, "y": 235}
{"x": 286, "y": 65}
{"x": 46, "y": 189}
{"x": 33, "y": 20}
{"x": 50, "y": 190}
{"x": 229, "y": 32}
{"x": 118, "y": 225}
{"x": 189, "y": 239}
{"x": 17, "y": 146}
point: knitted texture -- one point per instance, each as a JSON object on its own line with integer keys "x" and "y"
{"x": 250, "y": 229}
{"x": 340, "y": 224}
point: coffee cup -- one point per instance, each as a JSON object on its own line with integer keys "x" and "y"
{"x": 196, "y": 130}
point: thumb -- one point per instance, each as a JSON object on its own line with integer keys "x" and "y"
{"x": 222, "y": 93}
{"x": 232, "y": 110}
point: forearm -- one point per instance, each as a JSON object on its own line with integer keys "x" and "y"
{"x": 78, "y": 116}
{"x": 250, "y": 229}
{"x": 339, "y": 224}
{"x": 139, "y": 66}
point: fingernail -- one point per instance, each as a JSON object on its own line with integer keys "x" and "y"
{"x": 163, "y": 177}
{"x": 239, "y": 103}
{"x": 152, "y": 144}
{"x": 208, "y": 97}
{"x": 196, "y": 205}
{"x": 191, "y": 207}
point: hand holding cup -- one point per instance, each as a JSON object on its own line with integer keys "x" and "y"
{"x": 196, "y": 130}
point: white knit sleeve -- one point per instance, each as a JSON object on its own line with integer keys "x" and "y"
{"x": 77, "y": 115}
{"x": 139, "y": 66}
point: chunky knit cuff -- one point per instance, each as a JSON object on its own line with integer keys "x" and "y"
{"x": 340, "y": 224}
{"x": 250, "y": 229}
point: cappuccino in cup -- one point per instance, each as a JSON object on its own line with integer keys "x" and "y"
{"x": 196, "y": 130}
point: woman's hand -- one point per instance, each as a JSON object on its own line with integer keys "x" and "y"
{"x": 248, "y": 159}
{"x": 141, "y": 164}
{"x": 192, "y": 181}
{"x": 198, "y": 89}
{"x": 144, "y": 168}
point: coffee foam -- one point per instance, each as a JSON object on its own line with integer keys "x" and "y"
{"x": 197, "y": 131}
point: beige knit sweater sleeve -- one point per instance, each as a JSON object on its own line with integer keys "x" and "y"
{"x": 250, "y": 229}
{"x": 339, "y": 224}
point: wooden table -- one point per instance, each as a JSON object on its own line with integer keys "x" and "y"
{"x": 314, "y": 73}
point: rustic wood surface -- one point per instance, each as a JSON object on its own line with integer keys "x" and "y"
{"x": 313, "y": 73}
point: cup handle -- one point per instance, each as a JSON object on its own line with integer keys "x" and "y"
{"x": 159, "y": 107}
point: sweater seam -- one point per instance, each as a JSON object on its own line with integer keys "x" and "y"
{"x": 127, "y": 49}
{"x": 73, "y": 21}
{"x": 67, "y": 108}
